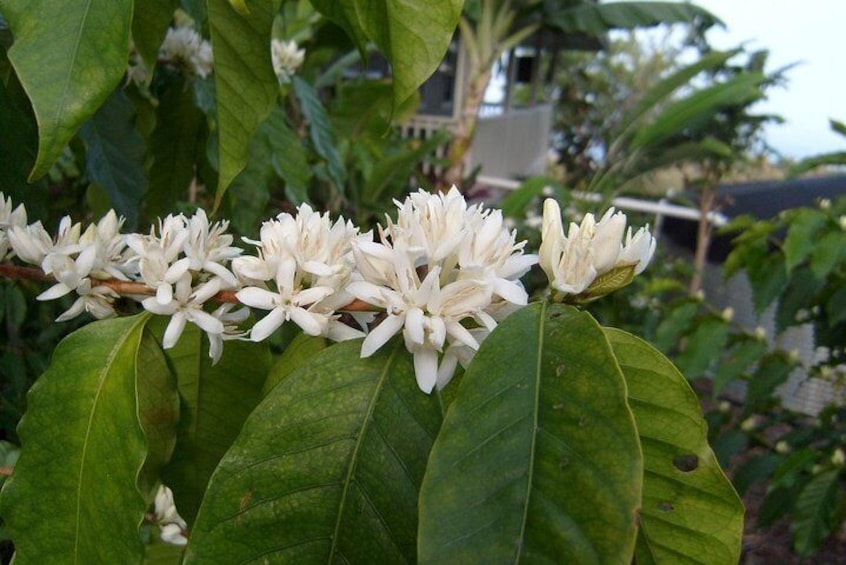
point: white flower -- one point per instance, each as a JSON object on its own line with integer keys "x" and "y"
{"x": 303, "y": 266}
{"x": 209, "y": 248}
{"x": 287, "y": 58}
{"x": 32, "y": 243}
{"x": 186, "y": 306}
{"x": 590, "y": 249}
{"x": 230, "y": 321}
{"x": 185, "y": 47}
{"x": 172, "y": 525}
{"x": 157, "y": 256}
{"x": 8, "y": 219}
{"x": 288, "y": 302}
{"x": 109, "y": 245}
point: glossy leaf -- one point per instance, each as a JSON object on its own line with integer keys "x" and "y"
{"x": 814, "y": 511}
{"x": 538, "y": 457}
{"x": 69, "y": 57}
{"x": 326, "y": 469}
{"x": 114, "y": 157}
{"x": 413, "y": 36}
{"x": 298, "y": 353}
{"x": 245, "y": 83}
{"x": 690, "y": 512}
{"x": 320, "y": 130}
{"x": 214, "y": 402}
{"x": 81, "y": 437}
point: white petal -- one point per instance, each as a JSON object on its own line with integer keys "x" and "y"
{"x": 152, "y": 305}
{"x": 221, "y": 271}
{"x": 56, "y": 291}
{"x": 75, "y": 310}
{"x": 314, "y": 294}
{"x": 172, "y": 534}
{"x": 311, "y": 323}
{"x": 414, "y": 319}
{"x": 512, "y": 291}
{"x": 206, "y": 321}
{"x": 446, "y": 370}
{"x": 368, "y": 292}
{"x": 318, "y": 268}
{"x": 380, "y": 335}
{"x": 174, "y": 330}
{"x": 426, "y": 369}
{"x": 460, "y": 333}
{"x": 339, "y": 331}
{"x": 205, "y": 291}
{"x": 257, "y": 297}
{"x": 175, "y": 271}
{"x": 269, "y": 324}
{"x": 164, "y": 294}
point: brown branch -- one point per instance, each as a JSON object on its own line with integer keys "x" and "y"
{"x": 140, "y": 289}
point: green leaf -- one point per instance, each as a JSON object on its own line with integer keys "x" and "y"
{"x": 18, "y": 138}
{"x": 690, "y": 512}
{"x": 538, "y": 456}
{"x": 326, "y": 469}
{"x": 288, "y": 156}
{"x": 75, "y": 493}
{"x": 800, "y": 294}
{"x": 768, "y": 278}
{"x": 828, "y": 252}
{"x": 413, "y": 36}
{"x": 597, "y": 19}
{"x": 773, "y": 370}
{"x": 214, "y": 402}
{"x": 173, "y": 146}
{"x": 391, "y": 173}
{"x": 736, "y": 361}
{"x": 69, "y": 58}
{"x": 244, "y": 80}
{"x": 675, "y": 323}
{"x": 516, "y": 202}
{"x": 149, "y": 26}
{"x": 320, "y": 130}
{"x": 704, "y": 345}
{"x": 240, "y": 6}
{"x": 298, "y": 353}
{"x": 114, "y": 157}
{"x": 802, "y": 236}
{"x": 814, "y": 512}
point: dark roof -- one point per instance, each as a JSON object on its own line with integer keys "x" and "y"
{"x": 760, "y": 199}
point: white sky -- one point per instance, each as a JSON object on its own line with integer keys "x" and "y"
{"x": 811, "y": 32}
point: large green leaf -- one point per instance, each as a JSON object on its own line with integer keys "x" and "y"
{"x": 299, "y": 352}
{"x": 215, "y": 400}
{"x": 173, "y": 146}
{"x": 538, "y": 458}
{"x": 598, "y": 19}
{"x": 695, "y": 111}
{"x": 690, "y": 512}
{"x": 245, "y": 83}
{"x": 114, "y": 157}
{"x": 149, "y": 26}
{"x": 69, "y": 57}
{"x": 75, "y": 495}
{"x": 326, "y": 469}
{"x": 413, "y": 36}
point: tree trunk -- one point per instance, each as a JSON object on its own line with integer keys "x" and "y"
{"x": 707, "y": 204}
{"x": 462, "y": 137}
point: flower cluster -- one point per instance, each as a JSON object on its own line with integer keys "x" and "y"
{"x": 184, "y": 47}
{"x": 442, "y": 264}
{"x": 591, "y": 259}
{"x": 442, "y": 274}
{"x": 287, "y": 58}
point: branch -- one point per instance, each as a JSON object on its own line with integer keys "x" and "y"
{"x": 125, "y": 288}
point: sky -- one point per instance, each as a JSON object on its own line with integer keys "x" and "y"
{"x": 810, "y": 33}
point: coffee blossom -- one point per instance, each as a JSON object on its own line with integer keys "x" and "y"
{"x": 186, "y": 48}
{"x": 577, "y": 262}
{"x": 287, "y": 58}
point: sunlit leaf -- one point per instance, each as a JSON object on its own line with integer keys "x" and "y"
{"x": 538, "y": 457}
{"x": 413, "y": 36}
{"x": 690, "y": 513}
{"x": 82, "y": 437}
{"x": 326, "y": 469}
{"x": 245, "y": 83}
{"x": 69, "y": 57}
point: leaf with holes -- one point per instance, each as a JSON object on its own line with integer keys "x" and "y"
{"x": 69, "y": 67}
{"x": 77, "y": 493}
{"x": 690, "y": 512}
{"x": 538, "y": 457}
{"x": 326, "y": 469}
